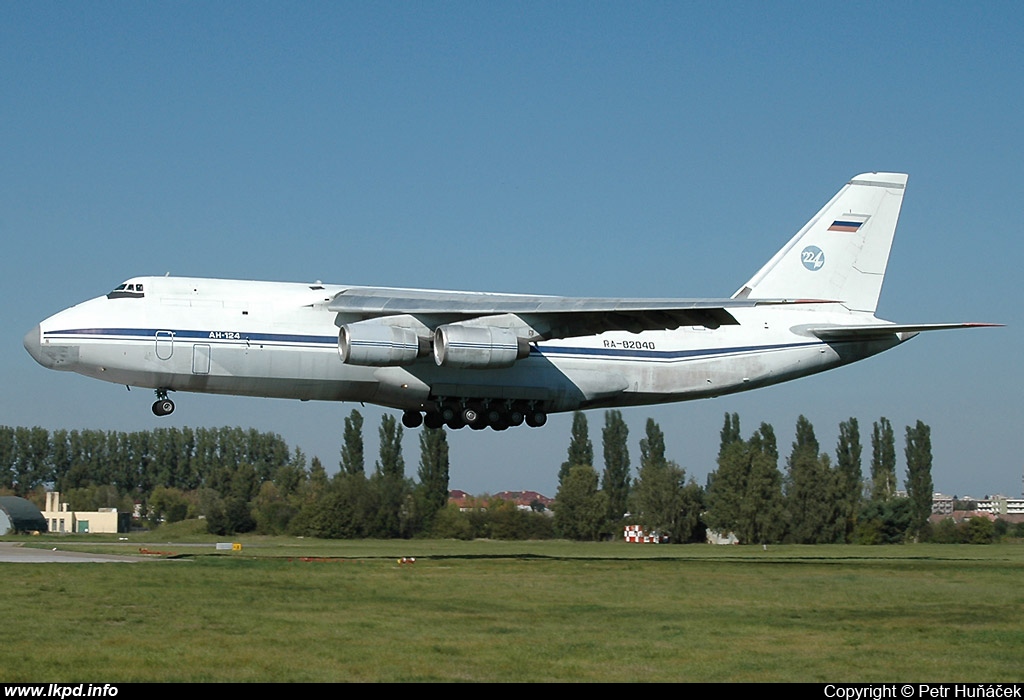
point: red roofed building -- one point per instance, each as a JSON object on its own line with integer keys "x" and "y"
{"x": 524, "y": 500}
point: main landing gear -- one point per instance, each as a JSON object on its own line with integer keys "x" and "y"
{"x": 163, "y": 405}
{"x": 496, "y": 415}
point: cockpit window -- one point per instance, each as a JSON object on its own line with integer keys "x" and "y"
{"x": 127, "y": 291}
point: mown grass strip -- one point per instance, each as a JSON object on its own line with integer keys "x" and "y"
{"x": 482, "y": 611}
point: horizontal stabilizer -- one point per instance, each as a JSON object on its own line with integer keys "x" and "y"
{"x": 876, "y": 331}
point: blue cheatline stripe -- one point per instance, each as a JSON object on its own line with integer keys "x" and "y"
{"x": 209, "y": 336}
{"x": 299, "y": 340}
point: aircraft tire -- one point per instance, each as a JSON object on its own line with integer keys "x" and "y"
{"x": 536, "y": 419}
{"x": 412, "y": 419}
{"x": 433, "y": 421}
{"x": 163, "y": 407}
{"x": 470, "y": 416}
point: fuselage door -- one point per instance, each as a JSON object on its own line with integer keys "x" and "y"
{"x": 200, "y": 359}
{"x": 164, "y": 344}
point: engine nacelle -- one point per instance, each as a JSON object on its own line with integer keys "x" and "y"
{"x": 478, "y": 347}
{"x": 377, "y": 345}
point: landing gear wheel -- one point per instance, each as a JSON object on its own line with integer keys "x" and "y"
{"x": 163, "y": 407}
{"x": 433, "y": 421}
{"x": 412, "y": 419}
{"x": 535, "y": 419}
{"x": 470, "y": 416}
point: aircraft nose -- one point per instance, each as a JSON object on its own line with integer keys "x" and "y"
{"x": 33, "y": 346}
{"x": 47, "y": 358}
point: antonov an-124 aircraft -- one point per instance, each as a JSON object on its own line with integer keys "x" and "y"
{"x": 498, "y": 360}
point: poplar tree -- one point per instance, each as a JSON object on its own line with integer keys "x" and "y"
{"x": 727, "y": 488}
{"x": 762, "y": 510}
{"x": 730, "y": 431}
{"x": 883, "y": 461}
{"x": 389, "y": 480}
{"x": 808, "y": 489}
{"x": 615, "y": 478}
{"x": 352, "y": 456}
{"x": 581, "y": 449}
{"x": 433, "y": 471}
{"x": 7, "y": 451}
{"x": 848, "y": 479}
{"x": 579, "y": 507}
{"x": 652, "y": 447}
{"x": 919, "y": 475}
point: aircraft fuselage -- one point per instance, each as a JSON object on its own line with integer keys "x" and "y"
{"x": 275, "y": 339}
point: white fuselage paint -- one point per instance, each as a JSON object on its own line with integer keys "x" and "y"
{"x": 276, "y": 339}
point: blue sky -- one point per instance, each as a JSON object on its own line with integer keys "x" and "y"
{"x": 579, "y": 148}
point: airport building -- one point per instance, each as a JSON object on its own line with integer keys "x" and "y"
{"x": 61, "y": 519}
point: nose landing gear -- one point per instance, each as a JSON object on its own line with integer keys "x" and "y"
{"x": 163, "y": 406}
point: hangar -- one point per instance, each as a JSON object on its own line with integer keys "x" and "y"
{"x": 19, "y": 515}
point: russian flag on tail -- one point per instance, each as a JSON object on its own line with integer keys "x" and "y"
{"x": 845, "y": 226}
{"x": 849, "y": 224}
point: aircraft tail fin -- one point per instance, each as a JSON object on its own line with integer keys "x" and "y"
{"x": 840, "y": 254}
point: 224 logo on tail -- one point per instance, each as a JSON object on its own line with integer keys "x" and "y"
{"x": 813, "y": 258}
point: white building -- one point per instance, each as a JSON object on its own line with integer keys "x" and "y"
{"x": 1001, "y": 505}
{"x": 60, "y": 519}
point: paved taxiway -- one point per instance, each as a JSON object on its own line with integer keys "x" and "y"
{"x": 14, "y": 552}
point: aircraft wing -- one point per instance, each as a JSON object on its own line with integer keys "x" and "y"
{"x": 563, "y": 316}
{"x": 877, "y": 331}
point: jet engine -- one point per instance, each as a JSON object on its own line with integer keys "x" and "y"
{"x": 478, "y": 347}
{"x": 377, "y": 344}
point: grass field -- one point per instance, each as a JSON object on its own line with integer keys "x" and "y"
{"x": 310, "y": 610}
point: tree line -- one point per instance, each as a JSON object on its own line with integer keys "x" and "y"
{"x": 813, "y": 500}
{"x": 237, "y": 480}
{"x": 249, "y": 481}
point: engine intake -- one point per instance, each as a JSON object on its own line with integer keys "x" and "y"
{"x": 478, "y": 347}
{"x": 377, "y": 345}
